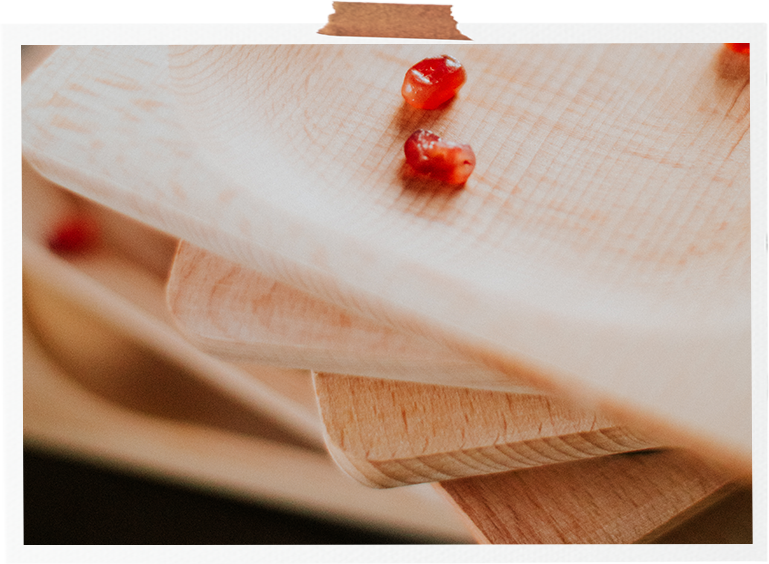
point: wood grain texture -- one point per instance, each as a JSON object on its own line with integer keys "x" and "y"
{"x": 235, "y": 312}
{"x": 602, "y": 244}
{"x": 625, "y": 498}
{"x": 386, "y": 433}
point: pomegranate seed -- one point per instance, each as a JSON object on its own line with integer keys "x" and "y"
{"x": 435, "y": 158}
{"x": 431, "y": 82}
{"x": 74, "y": 234}
{"x": 739, "y": 47}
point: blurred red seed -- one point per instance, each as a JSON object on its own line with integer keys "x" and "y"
{"x": 436, "y": 158}
{"x": 432, "y": 82}
{"x": 74, "y": 234}
{"x": 739, "y": 47}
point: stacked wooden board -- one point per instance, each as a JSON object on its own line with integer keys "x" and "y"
{"x": 524, "y": 467}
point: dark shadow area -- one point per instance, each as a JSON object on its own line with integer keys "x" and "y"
{"x": 425, "y": 197}
{"x": 728, "y": 521}
{"x": 68, "y": 502}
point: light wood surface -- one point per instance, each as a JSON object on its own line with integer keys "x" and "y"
{"x": 568, "y": 485}
{"x": 387, "y": 433}
{"x": 237, "y": 313}
{"x": 383, "y": 432}
{"x": 624, "y": 498}
{"x": 601, "y": 248}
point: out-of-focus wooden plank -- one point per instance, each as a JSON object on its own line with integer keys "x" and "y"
{"x": 63, "y": 415}
{"x": 109, "y": 286}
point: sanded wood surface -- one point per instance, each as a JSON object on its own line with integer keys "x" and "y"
{"x": 386, "y": 433}
{"x": 602, "y": 245}
{"x": 624, "y": 498}
{"x": 235, "y": 312}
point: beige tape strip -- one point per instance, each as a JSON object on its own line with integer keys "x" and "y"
{"x": 415, "y": 21}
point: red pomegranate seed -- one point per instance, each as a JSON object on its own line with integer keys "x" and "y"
{"x": 739, "y": 47}
{"x": 74, "y": 234}
{"x": 431, "y": 82}
{"x": 431, "y": 156}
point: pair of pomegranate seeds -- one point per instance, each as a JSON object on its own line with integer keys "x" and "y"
{"x": 427, "y": 86}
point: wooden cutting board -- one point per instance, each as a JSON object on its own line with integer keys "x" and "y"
{"x": 237, "y": 313}
{"x": 387, "y": 433}
{"x": 620, "y": 499}
{"x": 602, "y": 246}
{"x": 392, "y": 429}
{"x": 569, "y": 485}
